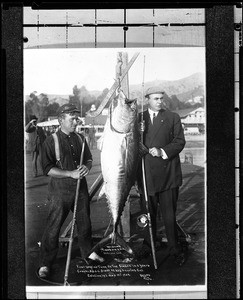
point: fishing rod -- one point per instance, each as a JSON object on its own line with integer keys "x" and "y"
{"x": 73, "y": 221}
{"x": 142, "y": 128}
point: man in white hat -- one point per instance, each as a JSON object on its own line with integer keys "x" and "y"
{"x": 164, "y": 137}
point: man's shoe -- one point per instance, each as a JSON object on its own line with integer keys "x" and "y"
{"x": 143, "y": 252}
{"x": 44, "y": 272}
{"x": 94, "y": 256}
{"x": 180, "y": 259}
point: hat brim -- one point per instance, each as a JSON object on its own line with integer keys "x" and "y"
{"x": 158, "y": 92}
{"x": 69, "y": 112}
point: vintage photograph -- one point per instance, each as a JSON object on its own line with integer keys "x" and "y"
{"x": 122, "y": 181}
{"x": 115, "y": 168}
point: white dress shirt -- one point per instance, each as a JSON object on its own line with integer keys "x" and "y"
{"x": 152, "y": 115}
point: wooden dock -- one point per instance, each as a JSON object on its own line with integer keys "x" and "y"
{"x": 190, "y": 216}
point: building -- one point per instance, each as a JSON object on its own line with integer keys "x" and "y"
{"x": 193, "y": 120}
{"x": 99, "y": 120}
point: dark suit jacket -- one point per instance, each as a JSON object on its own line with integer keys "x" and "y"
{"x": 166, "y": 133}
{"x": 36, "y": 137}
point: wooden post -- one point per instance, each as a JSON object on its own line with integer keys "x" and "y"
{"x": 122, "y": 61}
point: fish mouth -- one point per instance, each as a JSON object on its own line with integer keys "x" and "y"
{"x": 123, "y": 112}
{"x": 121, "y": 100}
{"x": 132, "y": 103}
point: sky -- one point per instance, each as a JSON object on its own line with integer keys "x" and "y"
{"x": 57, "y": 71}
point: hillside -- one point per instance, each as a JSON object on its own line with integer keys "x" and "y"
{"x": 187, "y": 90}
{"x": 184, "y": 88}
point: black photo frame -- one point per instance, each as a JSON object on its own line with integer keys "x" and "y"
{"x": 221, "y": 246}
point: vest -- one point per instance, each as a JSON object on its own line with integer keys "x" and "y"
{"x": 57, "y": 148}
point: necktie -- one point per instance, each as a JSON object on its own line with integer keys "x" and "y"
{"x": 154, "y": 116}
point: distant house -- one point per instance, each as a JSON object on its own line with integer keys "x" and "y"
{"x": 99, "y": 120}
{"x": 97, "y": 123}
{"x": 193, "y": 120}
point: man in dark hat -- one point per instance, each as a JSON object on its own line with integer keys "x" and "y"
{"x": 35, "y": 141}
{"x": 64, "y": 171}
{"x": 164, "y": 137}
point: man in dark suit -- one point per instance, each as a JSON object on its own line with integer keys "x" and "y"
{"x": 36, "y": 139}
{"x": 164, "y": 137}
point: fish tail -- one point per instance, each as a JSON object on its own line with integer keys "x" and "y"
{"x": 118, "y": 240}
{"x": 106, "y": 240}
{"x": 115, "y": 239}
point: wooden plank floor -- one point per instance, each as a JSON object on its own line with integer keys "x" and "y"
{"x": 190, "y": 216}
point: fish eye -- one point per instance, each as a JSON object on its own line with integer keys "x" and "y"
{"x": 129, "y": 102}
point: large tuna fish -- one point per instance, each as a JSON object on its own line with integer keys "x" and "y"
{"x": 120, "y": 150}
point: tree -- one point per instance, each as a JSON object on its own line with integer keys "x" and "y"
{"x": 34, "y": 101}
{"x": 43, "y": 104}
{"x": 52, "y": 108}
{"x": 39, "y": 106}
{"x": 75, "y": 98}
{"x": 32, "y": 106}
{"x": 82, "y": 99}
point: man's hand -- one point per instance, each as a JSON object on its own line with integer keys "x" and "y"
{"x": 155, "y": 152}
{"x": 33, "y": 122}
{"x": 80, "y": 172}
{"x": 84, "y": 170}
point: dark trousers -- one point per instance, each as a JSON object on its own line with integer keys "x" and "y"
{"x": 167, "y": 201}
{"x": 36, "y": 157}
{"x": 61, "y": 202}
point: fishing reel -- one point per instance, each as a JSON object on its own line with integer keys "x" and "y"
{"x": 142, "y": 126}
{"x": 142, "y": 220}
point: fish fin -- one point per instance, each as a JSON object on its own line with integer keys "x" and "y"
{"x": 143, "y": 150}
{"x": 102, "y": 192}
{"x": 100, "y": 142}
{"x": 118, "y": 240}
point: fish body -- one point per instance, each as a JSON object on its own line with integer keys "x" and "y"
{"x": 119, "y": 155}
{"x": 119, "y": 160}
